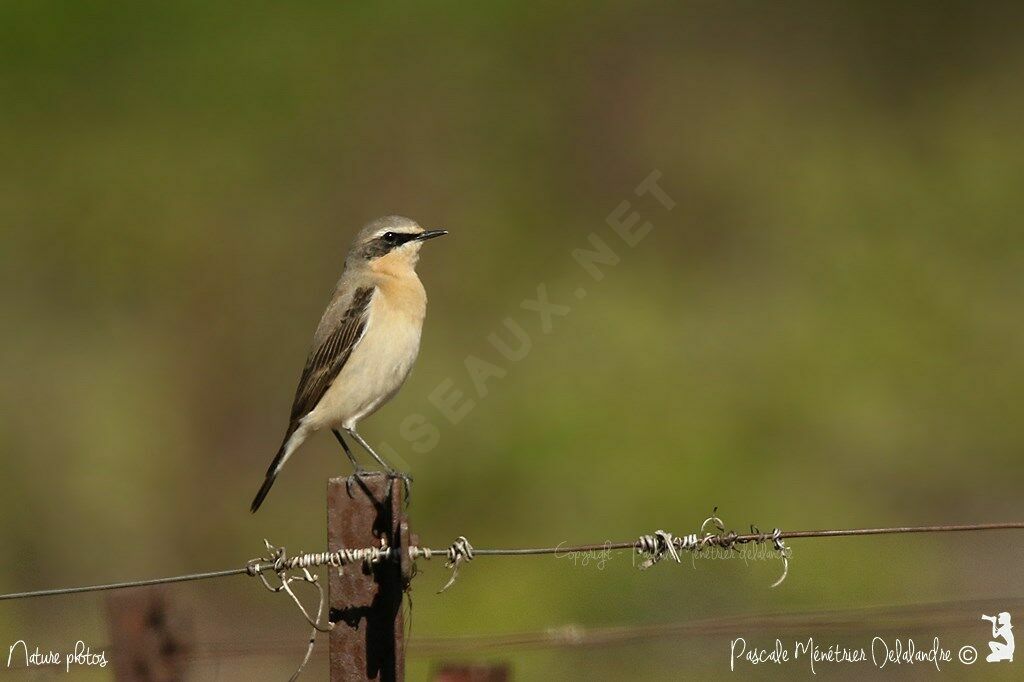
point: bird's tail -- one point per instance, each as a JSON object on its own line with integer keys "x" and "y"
{"x": 262, "y": 494}
{"x": 291, "y": 441}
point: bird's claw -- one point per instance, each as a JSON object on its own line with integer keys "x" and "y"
{"x": 390, "y": 473}
{"x": 349, "y": 481}
{"x": 406, "y": 482}
{"x": 357, "y": 474}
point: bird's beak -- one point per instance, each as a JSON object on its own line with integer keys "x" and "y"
{"x": 430, "y": 234}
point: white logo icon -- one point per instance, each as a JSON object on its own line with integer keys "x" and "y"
{"x": 1001, "y": 629}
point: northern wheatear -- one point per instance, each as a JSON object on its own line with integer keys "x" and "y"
{"x": 366, "y": 342}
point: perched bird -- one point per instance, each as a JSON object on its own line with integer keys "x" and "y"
{"x": 365, "y": 344}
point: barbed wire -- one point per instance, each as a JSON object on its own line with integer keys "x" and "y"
{"x": 459, "y": 553}
{"x": 125, "y": 584}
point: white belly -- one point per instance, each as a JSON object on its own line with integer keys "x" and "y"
{"x": 375, "y": 371}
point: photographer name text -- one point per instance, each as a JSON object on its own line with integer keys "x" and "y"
{"x": 881, "y": 653}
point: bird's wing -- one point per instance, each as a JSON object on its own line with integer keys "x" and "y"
{"x": 322, "y": 367}
{"x": 326, "y": 361}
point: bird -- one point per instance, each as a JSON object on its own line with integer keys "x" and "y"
{"x": 365, "y": 344}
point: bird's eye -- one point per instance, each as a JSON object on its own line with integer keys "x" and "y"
{"x": 390, "y": 237}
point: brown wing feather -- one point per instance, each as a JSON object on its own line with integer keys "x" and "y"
{"x": 326, "y": 362}
{"x": 322, "y": 368}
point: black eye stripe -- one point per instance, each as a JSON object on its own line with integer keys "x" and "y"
{"x": 398, "y": 238}
{"x": 382, "y": 244}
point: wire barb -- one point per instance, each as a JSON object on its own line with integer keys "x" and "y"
{"x": 654, "y": 547}
{"x": 784, "y": 553}
{"x": 289, "y": 570}
{"x": 458, "y": 552}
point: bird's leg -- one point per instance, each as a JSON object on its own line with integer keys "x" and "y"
{"x": 359, "y": 470}
{"x": 348, "y": 453}
{"x": 406, "y": 478}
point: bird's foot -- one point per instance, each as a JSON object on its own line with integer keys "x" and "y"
{"x": 406, "y": 482}
{"x": 360, "y": 472}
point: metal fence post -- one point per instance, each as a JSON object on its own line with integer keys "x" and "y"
{"x": 368, "y": 639}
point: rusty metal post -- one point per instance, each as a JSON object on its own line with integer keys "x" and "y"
{"x": 368, "y": 639}
{"x": 150, "y": 635}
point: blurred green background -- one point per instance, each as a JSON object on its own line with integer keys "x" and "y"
{"x": 825, "y": 331}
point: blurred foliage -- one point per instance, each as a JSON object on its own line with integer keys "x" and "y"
{"x": 825, "y": 331}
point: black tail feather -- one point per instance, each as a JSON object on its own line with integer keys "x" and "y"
{"x": 271, "y": 475}
{"x": 262, "y": 494}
